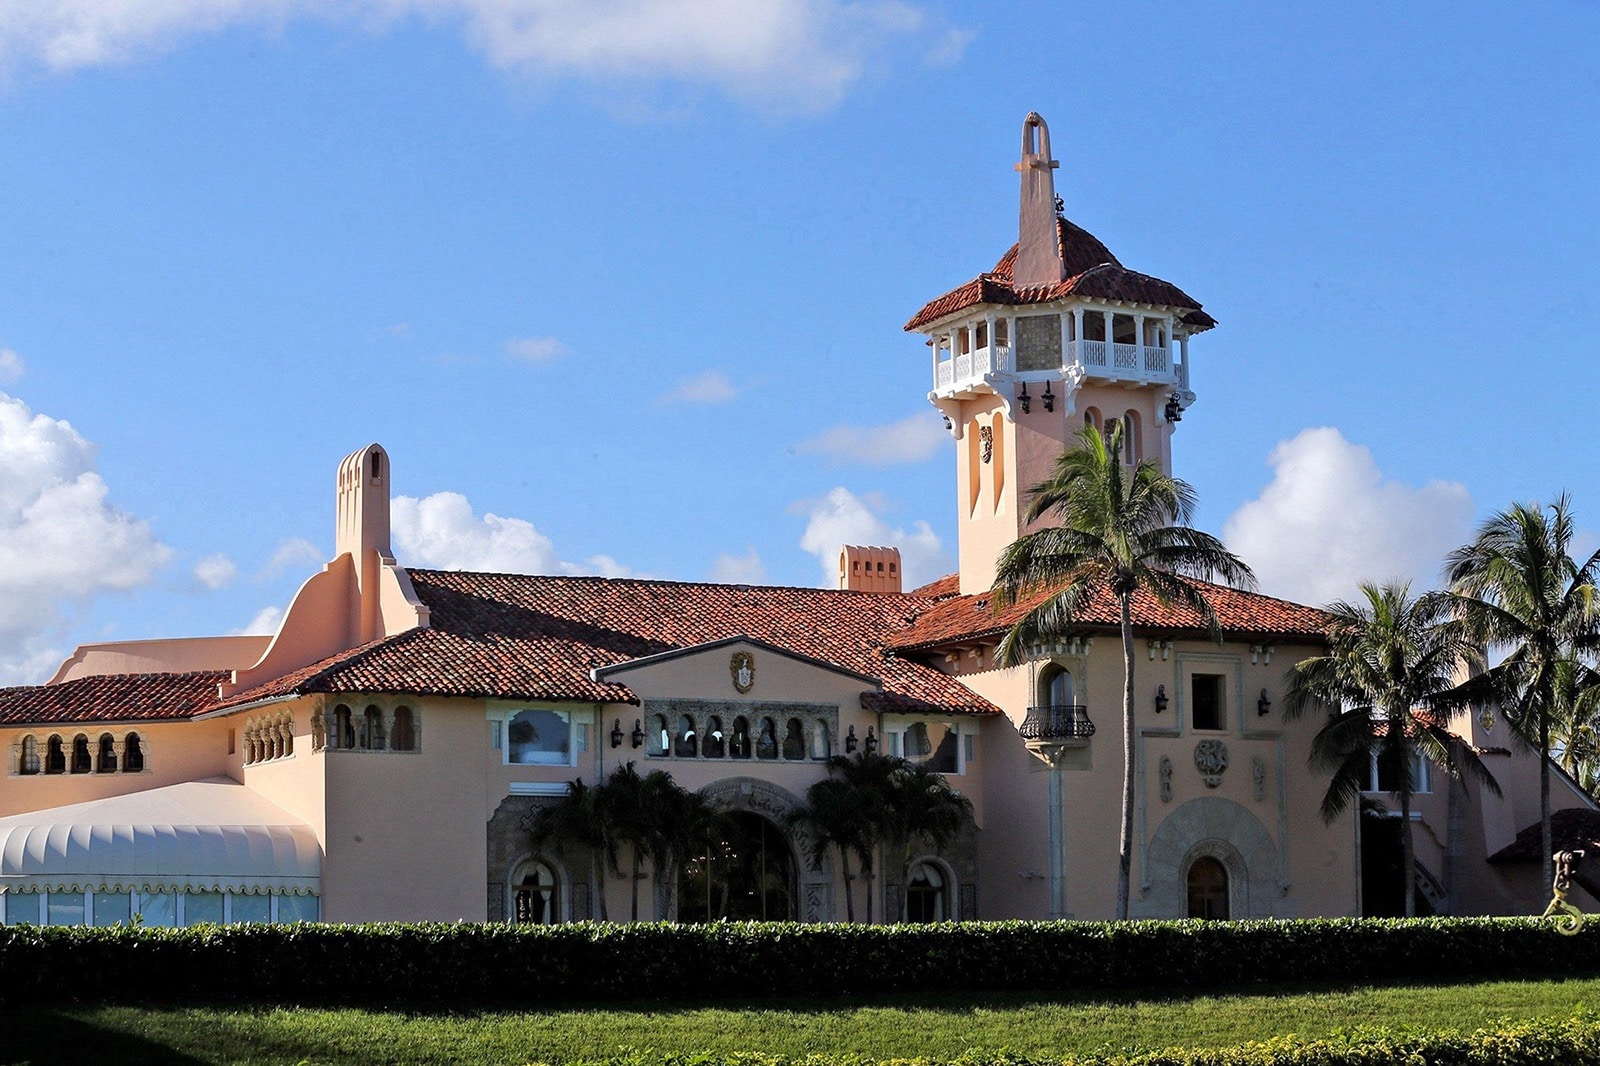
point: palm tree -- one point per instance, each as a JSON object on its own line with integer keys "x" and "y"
{"x": 832, "y": 818}
{"x": 1122, "y": 530}
{"x": 682, "y": 825}
{"x": 579, "y": 817}
{"x": 922, "y": 806}
{"x": 1575, "y": 732}
{"x": 1392, "y": 673}
{"x": 1521, "y": 593}
{"x": 625, "y": 805}
{"x": 869, "y": 780}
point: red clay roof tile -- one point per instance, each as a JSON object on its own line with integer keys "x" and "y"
{"x": 112, "y": 698}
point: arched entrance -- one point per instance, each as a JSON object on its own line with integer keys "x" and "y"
{"x": 1208, "y": 888}
{"x": 749, "y": 875}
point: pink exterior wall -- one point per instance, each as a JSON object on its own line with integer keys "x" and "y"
{"x": 180, "y": 655}
{"x": 174, "y": 752}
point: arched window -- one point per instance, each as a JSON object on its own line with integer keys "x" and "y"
{"x": 926, "y": 894}
{"x": 1208, "y": 889}
{"x": 688, "y": 745}
{"x": 739, "y": 743}
{"x": 716, "y": 743}
{"x": 535, "y": 898}
{"x": 1132, "y": 438}
{"x": 1056, "y": 688}
{"x": 132, "y": 754}
{"x": 55, "y": 756}
{"x": 662, "y": 742}
{"x": 1091, "y": 417}
{"x": 107, "y": 761}
{"x": 767, "y": 740}
{"x": 821, "y": 743}
{"x": 404, "y": 735}
{"x": 30, "y": 756}
{"x": 372, "y": 728}
{"x": 794, "y": 740}
{"x": 344, "y": 730}
{"x": 82, "y": 763}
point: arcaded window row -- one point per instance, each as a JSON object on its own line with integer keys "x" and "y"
{"x": 57, "y": 754}
{"x": 371, "y": 729}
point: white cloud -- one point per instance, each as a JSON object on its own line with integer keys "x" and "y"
{"x": 61, "y": 543}
{"x": 793, "y": 53}
{"x": 535, "y": 349}
{"x": 11, "y": 367}
{"x": 215, "y": 571}
{"x": 841, "y": 517}
{"x": 746, "y": 569}
{"x": 264, "y": 624}
{"x": 443, "y": 532}
{"x": 1329, "y": 520}
{"x": 910, "y": 440}
{"x": 296, "y": 553}
{"x": 711, "y": 387}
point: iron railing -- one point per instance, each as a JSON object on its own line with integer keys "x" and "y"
{"x": 1061, "y": 721}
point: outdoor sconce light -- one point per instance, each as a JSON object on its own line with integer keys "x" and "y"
{"x": 1024, "y": 399}
{"x": 638, "y": 734}
{"x": 1049, "y": 398}
{"x": 948, "y": 425}
{"x": 850, "y": 741}
{"x": 1161, "y": 699}
{"x": 1174, "y": 410}
{"x": 1263, "y": 705}
{"x": 616, "y": 732}
{"x": 872, "y": 741}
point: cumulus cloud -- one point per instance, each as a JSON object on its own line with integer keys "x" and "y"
{"x": 1330, "y": 519}
{"x": 215, "y": 571}
{"x": 711, "y": 387}
{"x": 296, "y": 553}
{"x": 535, "y": 349}
{"x": 841, "y": 517}
{"x": 443, "y": 532}
{"x": 910, "y": 440}
{"x": 264, "y": 624}
{"x": 794, "y": 53}
{"x": 61, "y": 543}
{"x": 746, "y": 569}
{"x": 11, "y": 367}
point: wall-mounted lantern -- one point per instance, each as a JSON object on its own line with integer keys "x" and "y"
{"x": 1263, "y": 705}
{"x": 1161, "y": 699}
{"x": 872, "y": 741}
{"x": 616, "y": 732}
{"x": 1049, "y": 398}
{"x": 850, "y": 741}
{"x": 638, "y": 734}
{"x": 1024, "y": 399}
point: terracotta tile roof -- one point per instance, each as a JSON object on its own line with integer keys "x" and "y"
{"x": 1092, "y": 271}
{"x": 1240, "y": 614}
{"x": 1575, "y": 828}
{"x": 112, "y": 698}
{"x": 536, "y": 637}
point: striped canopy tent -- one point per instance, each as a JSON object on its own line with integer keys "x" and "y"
{"x": 213, "y": 835}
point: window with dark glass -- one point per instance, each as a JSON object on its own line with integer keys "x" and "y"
{"x": 133, "y": 754}
{"x": 688, "y": 740}
{"x": 1206, "y": 702}
{"x": 1208, "y": 889}
{"x": 539, "y": 737}
{"x": 767, "y": 741}
{"x": 107, "y": 761}
{"x": 404, "y": 735}
{"x": 715, "y": 743}
{"x": 794, "y": 740}
{"x": 739, "y": 743}
{"x": 55, "y": 757}
{"x": 82, "y": 763}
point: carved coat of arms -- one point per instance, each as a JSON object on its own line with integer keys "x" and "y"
{"x": 1211, "y": 759}
{"x": 743, "y": 668}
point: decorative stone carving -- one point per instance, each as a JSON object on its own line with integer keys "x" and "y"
{"x": 1258, "y": 778}
{"x": 1166, "y": 779}
{"x": 743, "y": 668}
{"x": 986, "y": 442}
{"x": 1211, "y": 759}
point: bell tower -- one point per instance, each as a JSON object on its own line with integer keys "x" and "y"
{"x": 1057, "y": 335}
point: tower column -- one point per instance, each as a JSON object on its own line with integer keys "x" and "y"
{"x": 1138, "y": 340}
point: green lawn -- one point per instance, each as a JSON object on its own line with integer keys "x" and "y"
{"x": 940, "y": 1028}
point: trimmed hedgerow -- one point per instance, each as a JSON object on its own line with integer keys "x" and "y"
{"x": 438, "y": 965}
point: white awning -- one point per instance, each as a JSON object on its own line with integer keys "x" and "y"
{"x": 201, "y": 836}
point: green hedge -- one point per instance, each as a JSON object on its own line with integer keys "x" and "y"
{"x": 1524, "y": 1044}
{"x": 494, "y": 965}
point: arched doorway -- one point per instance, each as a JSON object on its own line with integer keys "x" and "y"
{"x": 534, "y": 894}
{"x": 927, "y": 897}
{"x": 747, "y": 876}
{"x": 1208, "y": 888}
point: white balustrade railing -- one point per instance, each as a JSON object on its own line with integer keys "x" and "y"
{"x": 1090, "y": 353}
{"x": 1116, "y": 361}
{"x": 972, "y": 368}
{"x": 1126, "y": 356}
{"x": 1157, "y": 361}
{"x": 943, "y": 375}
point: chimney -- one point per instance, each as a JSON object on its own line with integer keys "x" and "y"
{"x": 869, "y": 569}
{"x": 1038, "y": 239}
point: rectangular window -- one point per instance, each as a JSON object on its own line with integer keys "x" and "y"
{"x": 297, "y": 908}
{"x": 201, "y": 907}
{"x": 1206, "y": 703}
{"x": 64, "y": 908}
{"x": 539, "y": 738}
{"x": 248, "y": 907}
{"x": 158, "y": 909}
{"x": 1385, "y": 778}
{"x": 932, "y": 744}
{"x": 111, "y": 908}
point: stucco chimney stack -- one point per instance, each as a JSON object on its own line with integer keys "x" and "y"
{"x": 869, "y": 569}
{"x": 1038, "y": 240}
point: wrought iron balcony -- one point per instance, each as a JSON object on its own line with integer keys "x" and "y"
{"x": 1061, "y": 723}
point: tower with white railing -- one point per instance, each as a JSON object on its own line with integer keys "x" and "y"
{"x": 1058, "y": 334}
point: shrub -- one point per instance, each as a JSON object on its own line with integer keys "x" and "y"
{"x": 439, "y": 965}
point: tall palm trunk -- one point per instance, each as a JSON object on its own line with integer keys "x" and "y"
{"x": 597, "y": 884}
{"x": 1408, "y": 855}
{"x": 1125, "y": 855}
{"x": 844, "y": 869}
{"x": 1546, "y": 846}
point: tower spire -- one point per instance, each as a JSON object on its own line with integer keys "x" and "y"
{"x": 1038, "y": 239}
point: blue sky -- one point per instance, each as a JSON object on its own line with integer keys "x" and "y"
{"x": 620, "y": 286}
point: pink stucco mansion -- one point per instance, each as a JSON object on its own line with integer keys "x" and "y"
{"x": 380, "y": 755}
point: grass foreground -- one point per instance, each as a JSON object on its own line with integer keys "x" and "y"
{"x": 936, "y": 1028}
